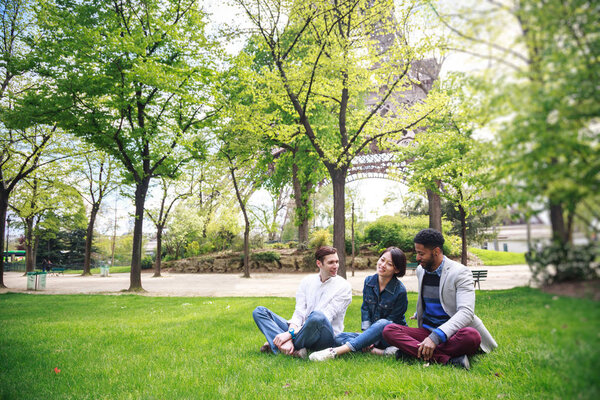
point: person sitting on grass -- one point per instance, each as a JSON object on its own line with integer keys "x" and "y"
{"x": 321, "y": 303}
{"x": 448, "y": 330}
{"x": 384, "y": 302}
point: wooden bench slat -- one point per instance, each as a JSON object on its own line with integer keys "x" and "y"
{"x": 478, "y": 276}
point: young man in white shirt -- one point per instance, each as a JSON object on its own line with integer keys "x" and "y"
{"x": 321, "y": 303}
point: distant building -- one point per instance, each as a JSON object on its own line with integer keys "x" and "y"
{"x": 513, "y": 238}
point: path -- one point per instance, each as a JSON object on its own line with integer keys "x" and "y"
{"x": 224, "y": 285}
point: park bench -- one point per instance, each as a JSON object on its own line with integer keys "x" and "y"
{"x": 412, "y": 266}
{"x": 478, "y": 276}
{"x": 57, "y": 270}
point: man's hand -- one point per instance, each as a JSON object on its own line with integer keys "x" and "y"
{"x": 426, "y": 348}
{"x": 281, "y": 339}
{"x": 287, "y": 347}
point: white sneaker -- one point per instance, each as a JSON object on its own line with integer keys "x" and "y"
{"x": 390, "y": 351}
{"x": 323, "y": 355}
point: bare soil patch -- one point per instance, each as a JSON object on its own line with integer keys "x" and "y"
{"x": 579, "y": 289}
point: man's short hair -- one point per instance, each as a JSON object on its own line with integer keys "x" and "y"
{"x": 430, "y": 238}
{"x": 324, "y": 251}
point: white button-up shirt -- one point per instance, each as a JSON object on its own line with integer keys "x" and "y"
{"x": 331, "y": 297}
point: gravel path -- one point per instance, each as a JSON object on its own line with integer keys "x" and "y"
{"x": 222, "y": 285}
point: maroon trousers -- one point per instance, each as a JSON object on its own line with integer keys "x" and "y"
{"x": 464, "y": 341}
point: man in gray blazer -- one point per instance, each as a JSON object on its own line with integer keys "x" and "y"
{"x": 448, "y": 329}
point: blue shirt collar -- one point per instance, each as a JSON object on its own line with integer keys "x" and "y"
{"x": 438, "y": 271}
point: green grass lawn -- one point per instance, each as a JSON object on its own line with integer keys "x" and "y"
{"x": 491, "y": 257}
{"x": 136, "y": 347}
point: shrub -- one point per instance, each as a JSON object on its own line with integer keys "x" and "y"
{"x": 278, "y": 245}
{"x": 256, "y": 241}
{"x": 292, "y": 244}
{"x": 266, "y": 256}
{"x": 320, "y": 237}
{"x": 357, "y": 243}
{"x": 192, "y": 249}
{"x": 206, "y": 247}
{"x": 147, "y": 262}
{"x": 400, "y": 231}
{"x": 452, "y": 245}
{"x": 559, "y": 262}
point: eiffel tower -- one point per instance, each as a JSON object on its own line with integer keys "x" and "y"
{"x": 380, "y": 163}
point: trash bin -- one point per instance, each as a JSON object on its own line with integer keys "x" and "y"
{"x": 41, "y": 280}
{"x": 36, "y": 280}
{"x": 31, "y": 278}
{"x": 103, "y": 270}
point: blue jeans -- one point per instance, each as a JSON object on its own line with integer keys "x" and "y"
{"x": 315, "y": 334}
{"x": 358, "y": 341}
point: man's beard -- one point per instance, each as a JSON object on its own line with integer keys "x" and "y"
{"x": 429, "y": 267}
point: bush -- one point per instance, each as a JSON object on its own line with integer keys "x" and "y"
{"x": 357, "y": 243}
{"x": 192, "y": 249}
{"x": 266, "y": 256}
{"x": 147, "y": 262}
{"x": 559, "y": 262}
{"x": 452, "y": 245}
{"x": 206, "y": 247}
{"x": 278, "y": 245}
{"x": 256, "y": 241}
{"x": 400, "y": 231}
{"x": 320, "y": 237}
{"x": 292, "y": 244}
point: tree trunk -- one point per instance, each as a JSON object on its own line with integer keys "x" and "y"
{"x": 3, "y": 209}
{"x": 435, "y": 210}
{"x": 29, "y": 255}
{"x": 157, "y": 262}
{"x": 135, "y": 276}
{"x": 463, "y": 235}
{"x": 36, "y": 242}
{"x": 246, "y": 245}
{"x": 352, "y": 262}
{"x": 89, "y": 237}
{"x": 559, "y": 230}
{"x": 338, "y": 180}
{"x": 302, "y": 206}
{"x": 246, "y": 223}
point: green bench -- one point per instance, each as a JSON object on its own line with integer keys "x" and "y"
{"x": 57, "y": 270}
{"x": 478, "y": 276}
{"x": 412, "y": 266}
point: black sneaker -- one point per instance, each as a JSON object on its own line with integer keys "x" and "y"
{"x": 400, "y": 355}
{"x": 460, "y": 361}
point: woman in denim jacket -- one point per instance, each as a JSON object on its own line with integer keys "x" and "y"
{"x": 384, "y": 302}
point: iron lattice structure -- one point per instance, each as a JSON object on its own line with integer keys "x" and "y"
{"x": 378, "y": 163}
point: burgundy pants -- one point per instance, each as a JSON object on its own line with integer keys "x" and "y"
{"x": 464, "y": 341}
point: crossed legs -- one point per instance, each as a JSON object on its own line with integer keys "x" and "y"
{"x": 315, "y": 334}
{"x": 465, "y": 341}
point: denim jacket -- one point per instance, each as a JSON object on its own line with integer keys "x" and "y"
{"x": 391, "y": 304}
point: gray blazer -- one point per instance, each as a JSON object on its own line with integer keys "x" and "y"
{"x": 457, "y": 295}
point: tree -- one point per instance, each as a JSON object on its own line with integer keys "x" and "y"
{"x": 20, "y": 149}
{"x": 329, "y": 60}
{"x": 38, "y": 195}
{"x": 448, "y": 160}
{"x": 549, "y": 140}
{"x": 266, "y": 215}
{"x": 132, "y": 78}
{"x": 184, "y": 226}
{"x": 171, "y": 193}
{"x": 98, "y": 170}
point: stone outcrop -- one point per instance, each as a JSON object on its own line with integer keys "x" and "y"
{"x": 230, "y": 262}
